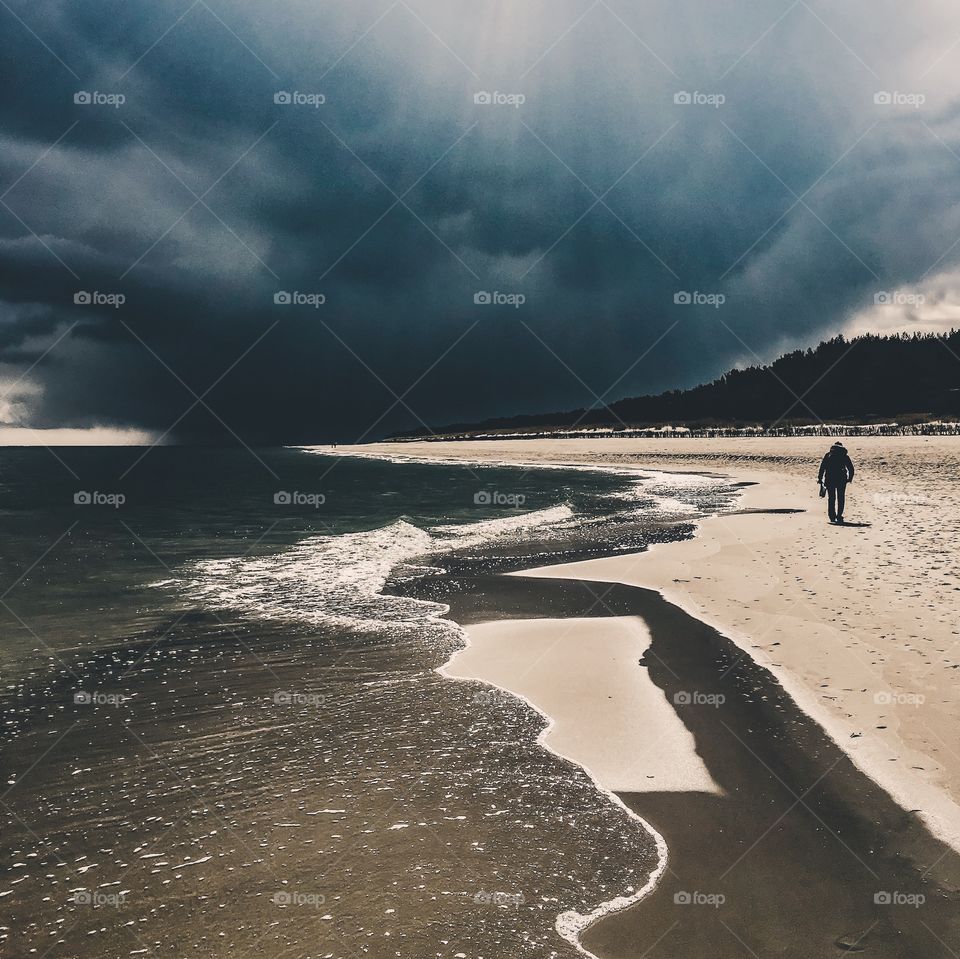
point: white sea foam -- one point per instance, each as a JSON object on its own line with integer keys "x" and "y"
{"x": 682, "y": 494}
{"x": 459, "y": 535}
{"x": 671, "y": 493}
{"x": 338, "y": 579}
{"x": 467, "y": 462}
{"x": 323, "y": 579}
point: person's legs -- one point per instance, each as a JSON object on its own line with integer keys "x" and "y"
{"x": 832, "y": 503}
{"x": 841, "y": 497}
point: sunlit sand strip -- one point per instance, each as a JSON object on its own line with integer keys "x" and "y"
{"x": 602, "y": 711}
{"x": 730, "y": 576}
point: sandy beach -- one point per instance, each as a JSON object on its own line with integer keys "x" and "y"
{"x": 833, "y": 655}
{"x": 858, "y": 623}
{"x": 404, "y": 733}
{"x": 791, "y": 851}
{"x": 420, "y": 508}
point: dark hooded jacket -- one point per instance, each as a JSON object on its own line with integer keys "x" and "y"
{"x": 836, "y": 467}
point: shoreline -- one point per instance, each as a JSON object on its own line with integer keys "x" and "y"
{"x": 789, "y": 799}
{"x": 728, "y": 570}
{"x": 426, "y": 811}
{"x": 571, "y": 925}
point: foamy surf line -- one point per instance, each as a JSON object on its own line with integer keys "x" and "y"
{"x": 338, "y": 580}
{"x": 649, "y": 479}
{"x": 469, "y": 462}
{"x": 571, "y": 925}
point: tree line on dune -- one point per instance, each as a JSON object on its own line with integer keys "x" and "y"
{"x": 866, "y": 379}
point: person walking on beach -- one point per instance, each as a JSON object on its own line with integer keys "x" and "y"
{"x": 836, "y": 470}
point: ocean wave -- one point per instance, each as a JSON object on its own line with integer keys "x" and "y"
{"x": 460, "y": 535}
{"x": 338, "y": 580}
{"x": 332, "y": 580}
{"x": 687, "y": 494}
{"x": 479, "y": 462}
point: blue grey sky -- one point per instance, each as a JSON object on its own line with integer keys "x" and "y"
{"x": 296, "y": 222}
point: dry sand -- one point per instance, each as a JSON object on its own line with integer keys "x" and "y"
{"x": 858, "y": 623}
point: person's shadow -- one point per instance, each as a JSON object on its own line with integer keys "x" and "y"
{"x": 853, "y": 525}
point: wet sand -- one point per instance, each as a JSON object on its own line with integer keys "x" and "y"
{"x": 581, "y": 673}
{"x": 799, "y": 854}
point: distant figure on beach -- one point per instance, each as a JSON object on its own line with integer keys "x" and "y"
{"x": 836, "y": 470}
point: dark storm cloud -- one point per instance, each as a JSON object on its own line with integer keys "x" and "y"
{"x": 199, "y": 198}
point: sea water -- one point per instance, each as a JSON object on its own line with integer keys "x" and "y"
{"x": 224, "y": 731}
